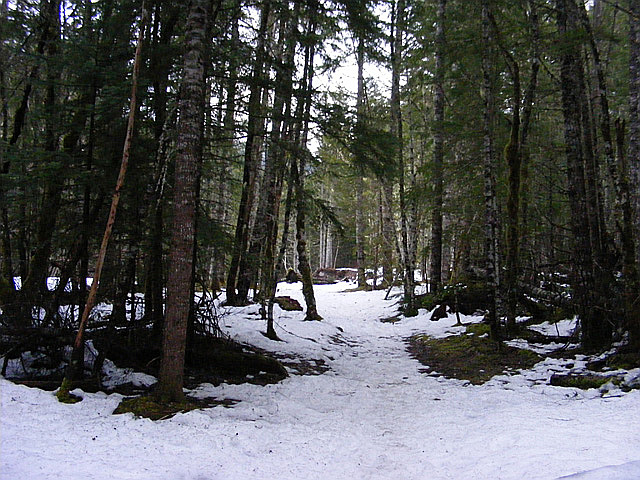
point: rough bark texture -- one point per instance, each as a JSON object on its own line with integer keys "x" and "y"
{"x": 360, "y": 258}
{"x": 435, "y": 265}
{"x": 634, "y": 114}
{"x": 170, "y": 380}
{"x": 491, "y": 214}
{"x": 596, "y": 332}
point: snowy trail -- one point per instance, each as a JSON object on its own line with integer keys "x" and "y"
{"x": 372, "y": 416}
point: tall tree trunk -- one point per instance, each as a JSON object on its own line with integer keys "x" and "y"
{"x": 634, "y": 114}
{"x": 396, "y": 130}
{"x": 77, "y": 358}
{"x": 181, "y": 254}
{"x": 279, "y": 144}
{"x": 596, "y": 332}
{"x": 302, "y": 116}
{"x": 513, "y": 160}
{"x": 633, "y": 156}
{"x": 229, "y": 129}
{"x": 491, "y": 214}
{"x": 435, "y": 265}
{"x": 527, "y": 110}
{"x": 252, "y": 149}
{"x": 629, "y": 265}
{"x": 360, "y": 258}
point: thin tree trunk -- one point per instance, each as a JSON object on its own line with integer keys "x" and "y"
{"x": 77, "y": 360}
{"x": 527, "y": 111}
{"x": 360, "y": 258}
{"x": 301, "y": 144}
{"x": 396, "y": 130}
{"x": 252, "y": 148}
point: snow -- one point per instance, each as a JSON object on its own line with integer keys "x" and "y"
{"x": 562, "y": 328}
{"x": 373, "y": 415}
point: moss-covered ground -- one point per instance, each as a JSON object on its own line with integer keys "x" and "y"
{"x": 472, "y": 356}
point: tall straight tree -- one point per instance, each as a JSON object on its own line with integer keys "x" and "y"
{"x": 513, "y": 160}
{"x": 491, "y": 210}
{"x": 435, "y": 270}
{"x": 360, "y": 257}
{"x": 396, "y": 131}
{"x": 236, "y": 277}
{"x": 303, "y": 114}
{"x": 179, "y": 280}
{"x": 629, "y": 168}
{"x": 634, "y": 114}
{"x": 596, "y": 331}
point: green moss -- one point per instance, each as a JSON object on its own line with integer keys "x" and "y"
{"x": 583, "y": 382}
{"x": 64, "y": 394}
{"x": 478, "y": 328}
{"x": 151, "y": 407}
{"x": 469, "y": 357}
{"x": 624, "y": 361}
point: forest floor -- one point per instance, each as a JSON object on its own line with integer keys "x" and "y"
{"x": 357, "y": 405}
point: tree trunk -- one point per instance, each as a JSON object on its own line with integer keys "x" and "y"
{"x": 596, "y": 332}
{"x": 512, "y": 157}
{"x": 396, "y": 130}
{"x": 186, "y": 179}
{"x": 303, "y": 116}
{"x": 360, "y": 258}
{"x": 629, "y": 265}
{"x": 77, "y": 359}
{"x": 252, "y": 148}
{"x": 491, "y": 214}
{"x": 634, "y": 115}
{"x": 435, "y": 265}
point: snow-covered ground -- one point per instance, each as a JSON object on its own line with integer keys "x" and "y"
{"x": 373, "y": 415}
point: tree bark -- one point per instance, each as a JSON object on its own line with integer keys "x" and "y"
{"x": 435, "y": 265}
{"x": 491, "y": 214}
{"x": 596, "y": 332}
{"x": 634, "y": 115}
{"x": 77, "y": 359}
{"x": 303, "y": 116}
{"x": 360, "y": 257}
{"x": 186, "y": 180}
{"x": 252, "y": 149}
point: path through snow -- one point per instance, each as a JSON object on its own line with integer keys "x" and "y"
{"x": 373, "y": 415}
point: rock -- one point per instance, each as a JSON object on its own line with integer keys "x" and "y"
{"x": 439, "y": 313}
{"x": 289, "y": 304}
